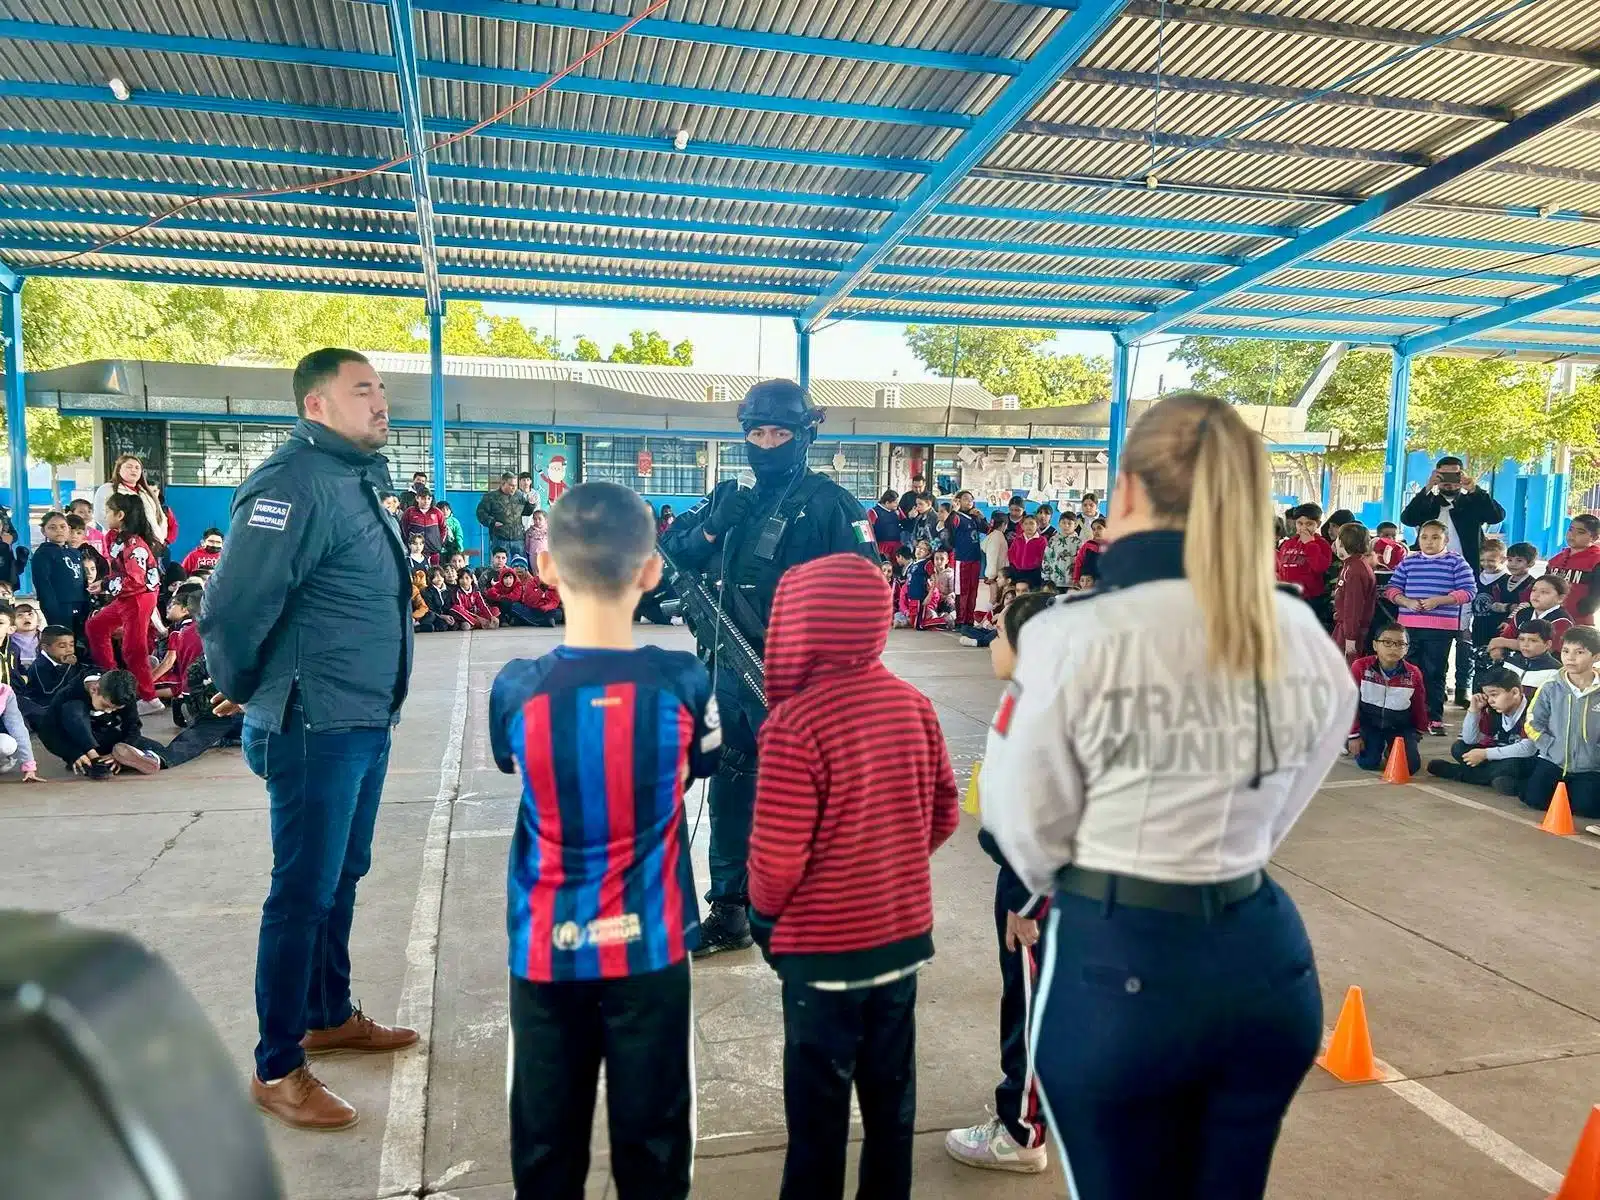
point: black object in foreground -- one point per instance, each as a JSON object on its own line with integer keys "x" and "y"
{"x": 714, "y": 627}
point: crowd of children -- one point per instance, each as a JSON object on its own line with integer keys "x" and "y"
{"x": 1399, "y": 614}
{"x": 951, "y": 567}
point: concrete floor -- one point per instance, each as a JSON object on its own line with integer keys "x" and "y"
{"x": 1471, "y": 933}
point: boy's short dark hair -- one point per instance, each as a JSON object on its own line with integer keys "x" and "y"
{"x": 1382, "y": 525}
{"x": 385, "y": 497}
{"x": 1308, "y": 509}
{"x": 1542, "y": 628}
{"x": 600, "y": 535}
{"x": 118, "y": 688}
{"x": 7, "y": 611}
{"x": 415, "y": 537}
{"x": 442, "y": 504}
{"x": 52, "y": 633}
{"x": 1500, "y": 678}
{"x": 508, "y": 477}
{"x": 1589, "y": 521}
{"x": 74, "y": 521}
{"x": 423, "y": 493}
{"x": 1586, "y": 636}
{"x": 1393, "y": 627}
{"x": 1016, "y": 502}
{"x": 189, "y": 595}
{"x": 525, "y": 475}
{"x": 1525, "y": 550}
{"x": 1554, "y": 581}
{"x": 212, "y": 531}
{"x": 1021, "y": 610}
{"x": 903, "y": 552}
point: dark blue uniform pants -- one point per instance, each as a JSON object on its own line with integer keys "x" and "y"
{"x": 1016, "y": 1096}
{"x": 732, "y": 800}
{"x": 1170, "y": 1046}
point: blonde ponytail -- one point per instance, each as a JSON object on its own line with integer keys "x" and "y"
{"x": 1206, "y": 472}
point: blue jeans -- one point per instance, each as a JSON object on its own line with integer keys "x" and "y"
{"x": 513, "y": 547}
{"x": 324, "y": 790}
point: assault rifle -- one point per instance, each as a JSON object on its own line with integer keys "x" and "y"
{"x": 713, "y": 626}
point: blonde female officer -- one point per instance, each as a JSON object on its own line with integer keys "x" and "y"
{"x": 1158, "y": 741}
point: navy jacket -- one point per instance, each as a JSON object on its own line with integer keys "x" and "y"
{"x": 310, "y": 595}
{"x": 965, "y": 533}
{"x": 58, "y": 583}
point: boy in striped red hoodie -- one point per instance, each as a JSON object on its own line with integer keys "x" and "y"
{"x": 1429, "y": 588}
{"x": 841, "y": 901}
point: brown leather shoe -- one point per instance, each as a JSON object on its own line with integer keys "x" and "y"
{"x": 302, "y": 1101}
{"x": 360, "y": 1035}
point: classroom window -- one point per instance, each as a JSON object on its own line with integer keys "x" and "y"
{"x": 857, "y": 474}
{"x": 410, "y": 451}
{"x": 473, "y": 457}
{"x": 218, "y": 453}
{"x": 678, "y": 466}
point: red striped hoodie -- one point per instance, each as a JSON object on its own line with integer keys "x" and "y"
{"x": 844, "y": 824}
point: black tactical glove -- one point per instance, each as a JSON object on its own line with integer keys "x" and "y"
{"x": 729, "y": 509}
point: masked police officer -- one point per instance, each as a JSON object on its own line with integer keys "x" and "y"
{"x": 746, "y": 538}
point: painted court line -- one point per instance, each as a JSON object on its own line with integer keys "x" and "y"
{"x": 1526, "y": 822}
{"x": 457, "y": 834}
{"x": 400, "y": 1162}
{"x": 1348, "y": 783}
{"x": 1473, "y": 1131}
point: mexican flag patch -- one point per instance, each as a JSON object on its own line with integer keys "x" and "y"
{"x": 862, "y": 532}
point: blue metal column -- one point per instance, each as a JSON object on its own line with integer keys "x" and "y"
{"x": 436, "y": 396}
{"x": 1394, "y": 450}
{"x": 1121, "y": 386}
{"x": 16, "y": 408}
{"x": 803, "y": 354}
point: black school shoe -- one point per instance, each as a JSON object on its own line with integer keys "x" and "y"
{"x": 1443, "y": 768}
{"x": 727, "y": 928}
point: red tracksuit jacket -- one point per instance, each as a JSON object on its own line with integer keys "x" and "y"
{"x": 844, "y": 822}
{"x": 472, "y": 606}
{"x": 530, "y": 592}
{"x": 134, "y": 570}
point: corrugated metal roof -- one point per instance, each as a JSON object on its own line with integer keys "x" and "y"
{"x": 799, "y": 149}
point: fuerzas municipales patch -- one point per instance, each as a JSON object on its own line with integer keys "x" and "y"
{"x": 1007, "y": 709}
{"x": 270, "y": 514}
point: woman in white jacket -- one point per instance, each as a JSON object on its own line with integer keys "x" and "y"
{"x": 1158, "y": 740}
{"x": 127, "y": 477}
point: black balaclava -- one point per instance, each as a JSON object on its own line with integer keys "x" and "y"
{"x": 776, "y": 467}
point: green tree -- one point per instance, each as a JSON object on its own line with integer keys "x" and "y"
{"x": 1012, "y": 362}
{"x": 58, "y": 440}
{"x": 651, "y": 348}
{"x": 586, "y": 351}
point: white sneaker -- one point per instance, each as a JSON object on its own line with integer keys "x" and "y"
{"x": 1594, "y": 829}
{"x": 151, "y": 708}
{"x": 968, "y": 641}
{"x": 990, "y": 1148}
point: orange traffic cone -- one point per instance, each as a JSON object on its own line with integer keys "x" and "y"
{"x": 1349, "y": 1056}
{"x": 1558, "y": 817}
{"x": 1583, "y": 1176}
{"x": 1397, "y": 769}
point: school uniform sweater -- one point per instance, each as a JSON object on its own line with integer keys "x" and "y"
{"x": 844, "y": 821}
{"x": 1556, "y": 617}
{"x": 1423, "y": 575}
{"x": 964, "y": 532}
{"x": 1534, "y": 672}
{"x": 58, "y": 583}
{"x": 1354, "y": 600}
{"x": 1027, "y": 553}
{"x": 1502, "y": 735}
{"x": 1390, "y": 702}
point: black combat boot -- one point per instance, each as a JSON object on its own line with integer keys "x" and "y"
{"x": 727, "y": 928}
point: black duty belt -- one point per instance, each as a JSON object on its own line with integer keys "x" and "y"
{"x": 1188, "y": 899}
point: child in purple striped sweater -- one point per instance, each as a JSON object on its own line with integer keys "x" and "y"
{"x": 1429, "y": 589}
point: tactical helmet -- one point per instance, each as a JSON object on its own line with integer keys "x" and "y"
{"x": 778, "y": 402}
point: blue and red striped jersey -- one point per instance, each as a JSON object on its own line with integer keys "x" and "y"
{"x": 600, "y": 883}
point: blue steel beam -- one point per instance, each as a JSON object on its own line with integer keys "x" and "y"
{"x": 1060, "y": 51}
{"x": 1394, "y": 450}
{"x": 802, "y": 353}
{"x": 436, "y": 397}
{"x": 714, "y": 35}
{"x": 403, "y": 44}
{"x": 1121, "y": 394}
{"x": 1497, "y": 144}
{"x": 16, "y": 406}
{"x": 351, "y": 60}
{"x": 373, "y": 119}
{"x": 1512, "y": 315}
{"x": 1238, "y": 145}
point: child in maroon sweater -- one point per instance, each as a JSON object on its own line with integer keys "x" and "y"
{"x": 1355, "y": 596}
{"x": 841, "y": 902}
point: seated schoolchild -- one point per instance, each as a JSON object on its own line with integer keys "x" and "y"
{"x": 183, "y": 641}
{"x": 1493, "y": 750}
{"x": 438, "y": 600}
{"x": 26, "y": 624}
{"x": 92, "y": 725}
{"x": 1568, "y": 742}
{"x": 1392, "y": 702}
{"x": 55, "y": 667}
{"x": 16, "y": 747}
{"x": 1532, "y": 660}
{"x": 490, "y": 575}
{"x": 1545, "y": 603}
{"x": 471, "y": 607}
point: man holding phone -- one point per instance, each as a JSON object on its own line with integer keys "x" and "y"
{"x": 1454, "y": 497}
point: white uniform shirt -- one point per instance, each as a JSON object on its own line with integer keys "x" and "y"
{"x": 1117, "y": 749}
